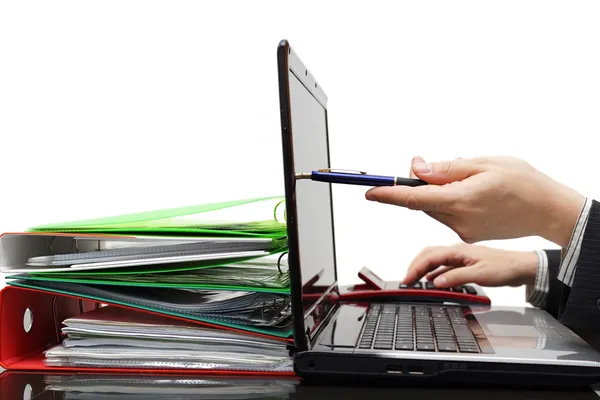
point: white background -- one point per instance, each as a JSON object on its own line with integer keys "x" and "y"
{"x": 119, "y": 106}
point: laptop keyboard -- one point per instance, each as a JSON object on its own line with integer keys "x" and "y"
{"x": 418, "y": 328}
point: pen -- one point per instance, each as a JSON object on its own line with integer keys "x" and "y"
{"x": 358, "y": 178}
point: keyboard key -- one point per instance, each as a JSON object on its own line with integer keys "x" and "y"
{"x": 426, "y": 344}
{"x": 462, "y": 331}
{"x": 470, "y": 290}
{"x": 468, "y": 349}
{"x": 425, "y": 347}
{"x": 429, "y": 285}
{"x": 417, "y": 285}
{"x": 446, "y": 346}
{"x": 404, "y": 345}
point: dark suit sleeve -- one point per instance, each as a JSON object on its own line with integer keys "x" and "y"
{"x": 579, "y": 307}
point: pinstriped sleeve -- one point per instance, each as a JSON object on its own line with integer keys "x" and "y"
{"x": 568, "y": 265}
{"x": 537, "y": 294}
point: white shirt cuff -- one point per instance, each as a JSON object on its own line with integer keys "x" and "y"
{"x": 537, "y": 293}
{"x": 568, "y": 265}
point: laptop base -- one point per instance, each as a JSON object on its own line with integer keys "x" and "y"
{"x": 327, "y": 368}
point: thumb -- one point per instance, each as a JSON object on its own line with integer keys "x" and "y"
{"x": 439, "y": 173}
{"x": 415, "y": 160}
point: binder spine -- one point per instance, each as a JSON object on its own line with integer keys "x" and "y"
{"x": 28, "y": 322}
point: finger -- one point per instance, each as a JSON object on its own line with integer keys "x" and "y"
{"x": 415, "y": 160}
{"x": 432, "y": 258}
{"x": 440, "y": 173}
{"x": 461, "y": 276}
{"x": 434, "y": 274}
{"x": 423, "y": 198}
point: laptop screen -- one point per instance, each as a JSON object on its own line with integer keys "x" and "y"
{"x": 306, "y": 149}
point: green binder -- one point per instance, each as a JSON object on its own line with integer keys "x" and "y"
{"x": 257, "y": 217}
{"x": 267, "y": 275}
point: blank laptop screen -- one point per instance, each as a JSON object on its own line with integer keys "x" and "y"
{"x": 313, "y": 199}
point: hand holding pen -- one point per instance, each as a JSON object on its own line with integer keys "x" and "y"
{"x": 358, "y": 178}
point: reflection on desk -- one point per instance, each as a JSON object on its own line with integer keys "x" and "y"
{"x": 29, "y": 386}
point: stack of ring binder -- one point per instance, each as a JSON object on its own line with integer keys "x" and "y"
{"x": 202, "y": 288}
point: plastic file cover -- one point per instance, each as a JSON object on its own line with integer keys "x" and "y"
{"x": 265, "y": 274}
{"x": 112, "y": 337}
{"x": 257, "y": 217}
{"x": 76, "y": 259}
{"x": 260, "y": 312}
{"x": 160, "y": 262}
{"x": 110, "y": 387}
{"x": 119, "y": 357}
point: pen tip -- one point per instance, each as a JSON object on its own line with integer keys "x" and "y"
{"x": 303, "y": 175}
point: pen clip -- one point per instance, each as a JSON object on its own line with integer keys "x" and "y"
{"x": 345, "y": 171}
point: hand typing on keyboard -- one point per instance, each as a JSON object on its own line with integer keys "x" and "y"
{"x": 449, "y": 267}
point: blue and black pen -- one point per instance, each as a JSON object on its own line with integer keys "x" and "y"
{"x": 358, "y": 178}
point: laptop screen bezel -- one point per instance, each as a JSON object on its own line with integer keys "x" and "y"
{"x": 305, "y": 327}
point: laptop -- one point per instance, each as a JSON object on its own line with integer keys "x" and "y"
{"x": 394, "y": 339}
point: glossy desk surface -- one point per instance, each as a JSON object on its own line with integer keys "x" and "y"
{"x": 40, "y": 386}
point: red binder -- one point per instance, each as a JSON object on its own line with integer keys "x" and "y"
{"x": 24, "y": 351}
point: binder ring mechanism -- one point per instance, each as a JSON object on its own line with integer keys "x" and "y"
{"x": 279, "y": 261}
{"x": 308, "y": 175}
{"x": 75, "y": 246}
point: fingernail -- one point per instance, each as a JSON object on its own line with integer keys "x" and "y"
{"x": 441, "y": 281}
{"x": 422, "y": 168}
